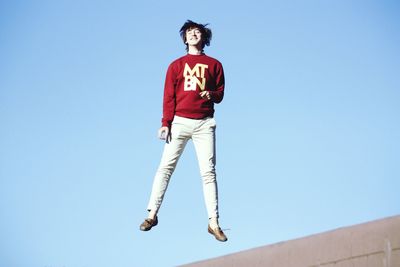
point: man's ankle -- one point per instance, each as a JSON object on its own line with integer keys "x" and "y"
{"x": 213, "y": 222}
{"x": 152, "y": 215}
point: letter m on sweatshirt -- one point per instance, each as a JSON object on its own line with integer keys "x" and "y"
{"x": 194, "y": 77}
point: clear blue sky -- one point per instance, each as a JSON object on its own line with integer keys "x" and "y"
{"x": 308, "y": 132}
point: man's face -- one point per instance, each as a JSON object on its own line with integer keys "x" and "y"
{"x": 193, "y": 37}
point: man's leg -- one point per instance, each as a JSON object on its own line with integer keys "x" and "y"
{"x": 171, "y": 154}
{"x": 204, "y": 142}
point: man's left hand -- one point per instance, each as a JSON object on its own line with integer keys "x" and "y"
{"x": 205, "y": 95}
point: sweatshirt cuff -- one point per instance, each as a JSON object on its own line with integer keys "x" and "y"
{"x": 214, "y": 97}
{"x": 166, "y": 124}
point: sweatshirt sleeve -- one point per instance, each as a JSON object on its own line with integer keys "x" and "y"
{"x": 169, "y": 97}
{"x": 218, "y": 94}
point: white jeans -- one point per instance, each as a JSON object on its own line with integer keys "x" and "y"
{"x": 202, "y": 132}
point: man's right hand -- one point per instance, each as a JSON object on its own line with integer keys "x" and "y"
{"x": 164, "y": 134}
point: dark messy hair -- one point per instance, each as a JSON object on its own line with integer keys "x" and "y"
{"x": 206, "y": 33}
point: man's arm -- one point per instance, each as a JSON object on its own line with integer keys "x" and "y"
{"x": 217, "y": 95}
{"x": 169, "y": 98}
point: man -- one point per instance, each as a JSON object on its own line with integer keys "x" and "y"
{"x": 193, "y": 84}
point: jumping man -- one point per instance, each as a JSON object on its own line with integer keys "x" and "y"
{"x": 193, "y": 84}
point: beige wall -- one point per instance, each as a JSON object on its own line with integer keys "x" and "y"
{"x": 373, "y": 244}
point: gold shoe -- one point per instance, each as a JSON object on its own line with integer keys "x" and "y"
{"x": 148, "y": 224}
{"x": 219, "y": 235}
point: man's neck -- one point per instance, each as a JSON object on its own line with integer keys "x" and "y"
{"x": 193, "y": 50}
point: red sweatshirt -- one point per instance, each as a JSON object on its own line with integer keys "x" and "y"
{"x": 186, "y": 78}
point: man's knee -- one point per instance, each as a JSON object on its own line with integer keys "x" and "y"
{"x": 208, "y": 176}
